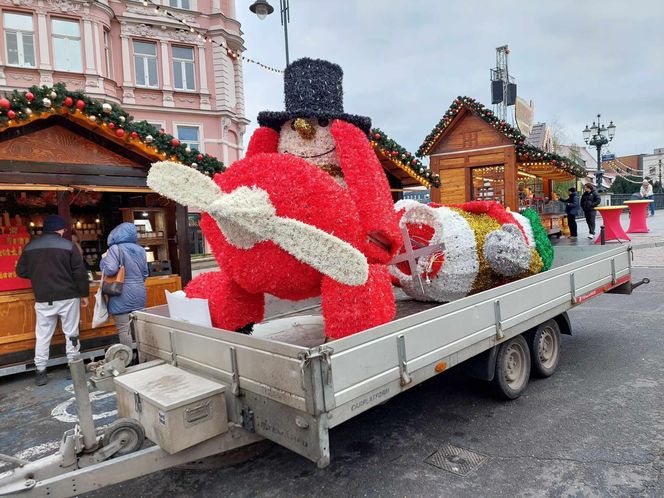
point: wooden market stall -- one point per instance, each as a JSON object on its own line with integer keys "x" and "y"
{"x": 63, "y": 152}
{"x": 480, "y": 157}
{"x": 404, "y": 171}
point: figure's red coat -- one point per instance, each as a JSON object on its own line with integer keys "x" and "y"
{"x": 302, "y": 191}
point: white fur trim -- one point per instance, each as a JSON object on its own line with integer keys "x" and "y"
{"x": 246, "y": 216}
{"x": 461, "y": 266}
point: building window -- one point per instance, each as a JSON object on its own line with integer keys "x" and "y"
{"x": 145, "y": 64}
{"x": 66, "y": 36}
{"x": 183, "y": 68}
{"x": 107, "y": 54}
{"x": 180, "y": 4}
{"x": 157, "y": 126}
{"x": 19, "y": 39}
{"x": 189, "y": 135}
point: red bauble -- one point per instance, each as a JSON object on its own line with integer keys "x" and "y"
{"x": 80, "y": 105}
{"x": 69, "y": 101}
{"x": 377, "y": 135}
{"x": 199, "y": 157}
{"x": 30, "y": 96}
{"x": 134, "y": 134}
{"x": 120, "y": 132}
{"x": 111, "y": 125}
{"x": 395, "y": 153}
{"x": 4, "y": 103}
{"x": 11, "y": 114}
{"x": 175, "y": 142}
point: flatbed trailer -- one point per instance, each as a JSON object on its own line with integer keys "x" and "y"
{"x": 293, "y": 388}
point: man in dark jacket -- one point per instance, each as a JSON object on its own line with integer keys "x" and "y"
{"x": 60, "y": 285}
{"x": 572, "y": 210}
{"x": 589, "y": 201}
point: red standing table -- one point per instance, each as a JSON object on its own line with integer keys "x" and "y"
{"x": 637, "y": 216}
{"x": 611, "y": 219}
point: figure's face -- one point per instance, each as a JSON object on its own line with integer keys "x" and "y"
{"x": 309, "y": 139}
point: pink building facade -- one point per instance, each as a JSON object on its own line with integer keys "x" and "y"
{"x": 139, "y": 57}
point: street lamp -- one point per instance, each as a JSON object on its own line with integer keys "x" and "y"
{"x": 263, "y": 9}
{"x": 597, "y": 136}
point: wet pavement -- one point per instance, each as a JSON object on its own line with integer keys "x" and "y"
{"x": 595, "y": 428}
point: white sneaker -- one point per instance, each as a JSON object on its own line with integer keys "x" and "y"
{"x": 591, "y": 236}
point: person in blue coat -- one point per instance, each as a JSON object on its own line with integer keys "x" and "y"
{"x": 123, "y": 240}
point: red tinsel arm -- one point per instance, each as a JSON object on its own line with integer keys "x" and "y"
{"x": 368, "y": 186}
{"x": 264, "y": 139}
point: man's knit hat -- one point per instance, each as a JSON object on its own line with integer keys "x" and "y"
{"x": 53, "y": 223}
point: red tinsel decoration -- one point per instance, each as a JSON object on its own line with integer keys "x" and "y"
{"x": 304, "y": 192}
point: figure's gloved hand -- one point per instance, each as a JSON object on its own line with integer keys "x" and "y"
{"x": 506, "y": 251}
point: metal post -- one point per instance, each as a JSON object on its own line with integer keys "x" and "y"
{"x": 285, "y": 19}
{"x": 83, "y": 406}
{"x": 602, "y": 236}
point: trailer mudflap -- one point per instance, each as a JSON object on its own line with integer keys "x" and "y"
{"x": 298, "y": 431}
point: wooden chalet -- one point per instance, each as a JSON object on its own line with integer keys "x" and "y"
{"x": 480, "y": 157}
{"x": 64, "y": 153}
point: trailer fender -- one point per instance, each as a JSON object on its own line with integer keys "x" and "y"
{"x": 482, "y": 366}
{"x": 564, "y": 323}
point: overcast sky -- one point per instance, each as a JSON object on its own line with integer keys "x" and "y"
{"x": 405, "y": 61}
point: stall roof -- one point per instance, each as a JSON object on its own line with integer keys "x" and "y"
{"x": 108, "y": 120}
{"x": 526, "y": 154}
{"x": 401, "y": 163}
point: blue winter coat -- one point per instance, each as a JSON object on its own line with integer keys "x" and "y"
{"x": 123, "y": 238}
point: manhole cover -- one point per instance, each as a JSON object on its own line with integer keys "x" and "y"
{"x": 456, "y": 460}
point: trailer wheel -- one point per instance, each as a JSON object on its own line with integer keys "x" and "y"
{"x": 128, "y": 431}
{"x": 544, "y": 344}
{"x": 512, "y": 368}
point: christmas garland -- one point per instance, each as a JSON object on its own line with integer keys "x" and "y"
{"x": 542, "y": 242}
{"x": 524, "y": 151}
{"x": 21, "y": 107}
{"x": 403, "y": 159}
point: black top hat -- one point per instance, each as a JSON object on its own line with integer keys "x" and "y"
{"x": 312, "y": 89}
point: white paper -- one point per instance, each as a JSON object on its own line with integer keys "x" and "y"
{"x": 186, "y": 309}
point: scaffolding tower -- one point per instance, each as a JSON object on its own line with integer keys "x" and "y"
{"x": 503, "y": 86}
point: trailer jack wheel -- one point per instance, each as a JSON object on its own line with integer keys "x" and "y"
{"x": 544, "y": 342}
{"x": 512, "y": 368}
{"x": 127, "y": 432}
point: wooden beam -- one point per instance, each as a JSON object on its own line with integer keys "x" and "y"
{"x": 55, "y": 179}
{"x": 70, "y": 169}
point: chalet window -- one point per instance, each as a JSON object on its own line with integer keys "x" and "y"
{"x": 183, "y": 68}
{"x": 489, "y": 184}
{"x": 145, "y": 64}
{"x": 19, "y": 39}
{"x": 107, "y": 54}
{"x": 189, "y": 135}
{"x": 66, "y": 36}
{"x": 180, "y": 4}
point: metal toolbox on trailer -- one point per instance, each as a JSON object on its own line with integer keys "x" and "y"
{"x": 176, "y": 408}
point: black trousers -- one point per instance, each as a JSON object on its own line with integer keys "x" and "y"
{"x": 590, "y": 219}
{"x": 571, "y": 222}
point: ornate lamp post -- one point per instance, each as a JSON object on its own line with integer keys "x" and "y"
{"x": 263, "y": 9}
{"x": 598, "y": 136}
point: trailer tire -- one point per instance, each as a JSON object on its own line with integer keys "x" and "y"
{"x": 128, "y": 430}
{"x": 544, "y": 343}
{"x": 512, "y": 368}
